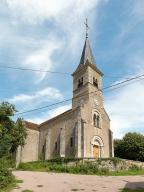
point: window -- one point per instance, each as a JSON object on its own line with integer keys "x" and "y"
{"x": 96, "y": 120}
{"x": 95, "y": 82}
{"x": 71, "y": 142}
{"x": 80, "y": 82}
{"x": 56, "y": 146}
{"x": 44, "y": 150}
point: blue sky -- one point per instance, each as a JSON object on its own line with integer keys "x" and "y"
{"x": 49, "y": 35}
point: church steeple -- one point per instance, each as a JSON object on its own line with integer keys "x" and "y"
{"x": 87, "y": 54}
{"x": 87, "y": 57}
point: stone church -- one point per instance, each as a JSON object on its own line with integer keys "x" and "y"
{"x": 84, "y": 130}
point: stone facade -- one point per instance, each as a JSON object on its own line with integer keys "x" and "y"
{"x": 56, "y": 135}
{"x": 30, "y": 151}
{"x": 83, "y": 131}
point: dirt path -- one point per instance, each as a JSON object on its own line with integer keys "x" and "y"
{"x": 54, "y": 182}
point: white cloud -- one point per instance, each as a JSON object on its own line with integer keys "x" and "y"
{"x": 42, "y": 58}
{"x": 49, "y": 114}
{"x": 66, "y": 17}
{"x": 46, "y": 94}
{"x": 37, "y": 11}
{"x": 125, "y": 106}
{"x": 126, "y": 109}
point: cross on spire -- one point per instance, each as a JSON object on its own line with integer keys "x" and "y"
{"x": 87, "y": 27}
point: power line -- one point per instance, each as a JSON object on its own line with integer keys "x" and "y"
{"x": 105, "y": 88}
{"x": 109, "y": 90}
{"x": 124, "y": 85}
{"x": 104, "y": 91}
{"x": 127, "y": 80}
{"x": 47, "y": 71}
{"x": 64, "y": 101}
{"x": 34, "y": 70}
{"x": 115, "y": 77}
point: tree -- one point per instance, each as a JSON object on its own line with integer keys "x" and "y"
{"x": 12, "y": 134}
{"x": 130, "y": 147}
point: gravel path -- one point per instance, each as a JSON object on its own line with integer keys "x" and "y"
{"x": 58, "y": 182}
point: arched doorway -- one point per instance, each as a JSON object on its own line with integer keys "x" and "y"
{"x": 96, "y": 151}
{"x": 96, "y": 147}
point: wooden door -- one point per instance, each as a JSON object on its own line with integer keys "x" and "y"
{"x": 96, "y": 151}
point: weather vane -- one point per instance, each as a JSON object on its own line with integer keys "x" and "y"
{"x": 87, "y": 27}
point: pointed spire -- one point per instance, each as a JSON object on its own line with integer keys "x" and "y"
{"x": 87, "y": 54}
{"x": 87, "y": 57}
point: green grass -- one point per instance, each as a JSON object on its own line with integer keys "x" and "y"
{"x": 11, "y": 186}
{"x": 88, "y": 169}
{"x": 132, "y": 190}
{"x": 20, "y": 181}
{"x": 127, "y": 173}
{"x": 27, "y": 190}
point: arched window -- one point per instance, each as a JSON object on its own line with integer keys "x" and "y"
{"x": 56, "y": 146}
{"x": 80, "y": 82}
{"x": 95, "y": 82}
{"x": 44, "y": 150}
{"x": 96, "y": 120}
{"x": 71, "y": 142}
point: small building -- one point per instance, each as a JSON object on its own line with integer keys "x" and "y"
{"x": 30, "y": 151}
{"x": 84, "y": 130}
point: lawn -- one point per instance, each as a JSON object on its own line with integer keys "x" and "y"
{"x": 132, "y": 190}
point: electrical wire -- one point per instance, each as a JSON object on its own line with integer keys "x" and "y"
{"x": 105, "y": 88}
{"x": 34, "y": 70}
{"x": 48, "y": 71}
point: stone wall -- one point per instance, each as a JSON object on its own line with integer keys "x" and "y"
{"x": 58, "y": 130}
{"x": 112, "y": 164}
{"x": 29, "y": 152}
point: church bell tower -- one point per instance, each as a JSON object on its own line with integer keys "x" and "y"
{"x": 94, "y": 132}
{"x": 87, "y": 78}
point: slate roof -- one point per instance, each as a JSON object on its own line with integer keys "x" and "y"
{"x": 87, "y": 58}
{"x": 87, "y": 54}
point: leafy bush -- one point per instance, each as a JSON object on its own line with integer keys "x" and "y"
{"x": 12, "y": 134}
{"x": 64, "y": 160}
{"x": 87, "y": 168}
{"x": 6, "y": 176}
{"x": 108, "y": 166}
{"x": 130, "y": 147}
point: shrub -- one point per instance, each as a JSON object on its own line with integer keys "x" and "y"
{"x": 64, "y": 160}
{"x": 100, "y": 167}
{"x": 131, "y": 146}
{"x": 6, "y": 176}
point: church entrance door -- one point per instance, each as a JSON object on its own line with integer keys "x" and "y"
{"x": 96, "y": 150}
